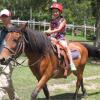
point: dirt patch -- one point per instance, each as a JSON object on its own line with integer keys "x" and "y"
{"x": 67, "y": 86}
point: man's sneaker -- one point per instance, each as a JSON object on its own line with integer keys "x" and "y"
{"x": 73, "y": 68}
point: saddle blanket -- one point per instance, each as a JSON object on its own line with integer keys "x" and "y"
{"x": 75, "y": 54}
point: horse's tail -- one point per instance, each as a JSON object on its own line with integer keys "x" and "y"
{"x": 92, "y": 50}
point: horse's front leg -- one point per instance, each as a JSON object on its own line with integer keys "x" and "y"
{"x": 38, "y": 88}
{"x": 42, "y": 82}
{"x": 45, "y": 89}
{"x": 46, "y": 92}
{"x": 35, "y": 93}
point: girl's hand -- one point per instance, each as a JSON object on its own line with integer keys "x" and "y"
{"x": 48, "y": 32}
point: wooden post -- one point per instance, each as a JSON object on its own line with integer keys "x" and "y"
{"x": 28, "y": 23}
{"x": 84, "y": 29}
{"x": 30, "y": 13}
{"x": 33, "y": 22}
{"x": 94, "y": 28}
{"x": 18, "y": 22}
{"x": 39, "y": 23}
{"x": 73, "y": 29}
{"x": 44, "y": 25}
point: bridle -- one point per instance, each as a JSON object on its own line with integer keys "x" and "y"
{"x": 20, "y": 46}
{"x": 19, "y": 49}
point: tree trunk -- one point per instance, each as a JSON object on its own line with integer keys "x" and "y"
{"x": 98, "y": 23}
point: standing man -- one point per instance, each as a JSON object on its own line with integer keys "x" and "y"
{"x": 6, "y": 85}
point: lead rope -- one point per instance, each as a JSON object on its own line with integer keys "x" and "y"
{"x": 3, "y": 69}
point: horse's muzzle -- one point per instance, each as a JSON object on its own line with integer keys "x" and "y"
{"x": 2, "y": 61}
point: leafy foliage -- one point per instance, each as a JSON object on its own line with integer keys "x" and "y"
{"x": 76, "y": 11}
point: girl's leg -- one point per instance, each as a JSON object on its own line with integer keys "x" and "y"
{"x": 68, "y": 52}
{"x": 72, "y": 65}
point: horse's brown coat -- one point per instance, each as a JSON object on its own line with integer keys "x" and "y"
{"x": 47, "y": 64}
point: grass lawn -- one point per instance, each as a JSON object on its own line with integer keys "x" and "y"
{"x": 76, "y": 38}
{"x": 79, "y": 37}
{"x": 24, "y": 83}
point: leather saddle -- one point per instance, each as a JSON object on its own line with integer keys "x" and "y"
{"x": 60, "y": 51}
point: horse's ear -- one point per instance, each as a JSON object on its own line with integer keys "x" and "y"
{"x": 23, "y": 26}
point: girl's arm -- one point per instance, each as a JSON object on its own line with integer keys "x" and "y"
{"x": 62, "y": 24}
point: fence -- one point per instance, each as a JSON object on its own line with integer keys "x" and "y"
{"x": 32, "y": 24}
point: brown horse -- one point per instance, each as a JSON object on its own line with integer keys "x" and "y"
{"x": 42, "y": 59}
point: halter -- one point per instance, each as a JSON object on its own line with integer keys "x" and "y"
{"x": 19, "y": 49}
{"x": 20, "y": 45}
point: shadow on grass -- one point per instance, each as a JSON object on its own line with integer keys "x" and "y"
{"x": 94, "y": 93}
{"x": 65, "y": 96}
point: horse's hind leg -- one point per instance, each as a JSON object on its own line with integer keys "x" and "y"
{"x": 46, "y": 92}
{"x": 77, "y": 89}
{"x": 83, "y": 89}
{"x": 79, "y": 82}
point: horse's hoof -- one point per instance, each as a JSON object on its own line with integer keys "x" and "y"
{"x": 48, "y": 99}
{"x": 74, "y": 97}
{"x": 85, "y": 95}
{"x": 33, "y": 98}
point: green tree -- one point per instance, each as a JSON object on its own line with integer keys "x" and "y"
{"x": 74, "y": 10}
{"x": 24, "y": 9}
{"x": 98, "y": 23}
{"x": 77, "y": 11}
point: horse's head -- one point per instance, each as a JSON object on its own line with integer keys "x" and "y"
{"x": 12, "y": 45}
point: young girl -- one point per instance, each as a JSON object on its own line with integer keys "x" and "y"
{"x": 57, "y": 30}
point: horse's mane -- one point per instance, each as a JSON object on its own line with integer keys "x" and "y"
{"x": 38, "y": 41}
